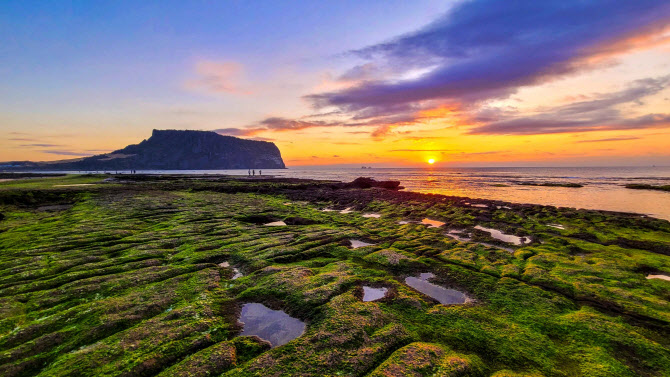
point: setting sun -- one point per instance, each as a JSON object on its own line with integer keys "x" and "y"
{"x": 431, "y": 161}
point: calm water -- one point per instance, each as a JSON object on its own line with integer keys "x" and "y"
{"x": 603, "y": 186}
{"x": 275, "y": 326}
{"x": 443, "y": 295}
{"x": 373, "y": 294}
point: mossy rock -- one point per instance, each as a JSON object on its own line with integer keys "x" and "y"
{"x": 428, "y": 359}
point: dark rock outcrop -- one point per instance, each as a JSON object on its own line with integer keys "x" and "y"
{"x": 174, "y": 150}
{"x": 364, "y": 182}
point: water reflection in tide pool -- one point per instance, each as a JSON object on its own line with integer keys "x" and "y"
{"x": 443, "y": 295}
{"x": 275, "y": 326}
{"x": 372, "y": 294}
{"x": 432, "y": 223}
{"x": 355, "y": 244}
{"x": 509, "y": 238}
{"x": 662, "y": 277}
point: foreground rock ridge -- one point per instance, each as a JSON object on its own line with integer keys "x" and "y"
{"x": 174, "y": 150}
{"x": 134, "y": 275}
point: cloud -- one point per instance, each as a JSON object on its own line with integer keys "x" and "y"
{"x": 22, "y": 139}
{"x": 345, "y": 142}
{"x": 420, "y": 150}
{"x": 275, "y": 124}
{"x": 543, "y": 125}
{"x": 236, "y": 131}
{"x": 365, "y": 71}
{"x": 40, "y": 145}
{"x": 620, "y": 138}
{"x": 283, "y": 124}
{"x": 483, "y": 50}
{"x": 597, "y": 114}
{"x": 68, "y": 153}
{"x": 482, "y": 153}
{"x": 486, "y": 49}
{"x": 218, "y": 77}
{"x": 381, "y": 131}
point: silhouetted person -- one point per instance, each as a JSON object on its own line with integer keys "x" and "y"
{"x": 260, "y": 172}
{"x": 253, "y": 172}
{"x": 249, "y": 174}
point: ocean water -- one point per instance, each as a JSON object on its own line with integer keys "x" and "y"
{"x": 603, "y": 186}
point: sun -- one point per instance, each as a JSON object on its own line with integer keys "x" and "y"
{"x": 431, "y": 161}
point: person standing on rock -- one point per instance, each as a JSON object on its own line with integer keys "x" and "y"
{"x": 253, "y": 172}
{"x": 260, "y": 172}
{"x": 249, "y": 173}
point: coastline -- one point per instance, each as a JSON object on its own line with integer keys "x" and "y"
{"x": 148, "y": 274}
{"x": 602, "y": 188}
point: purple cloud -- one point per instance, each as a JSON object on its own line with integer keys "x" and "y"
{"x": 597, "y": 114}
{"x": 67, "y": 153}
{"x": 486, "y": 49}
{"x": 235, "y": 131}
{"x": 40, "y": 145}
{"x": 620, "y": 138}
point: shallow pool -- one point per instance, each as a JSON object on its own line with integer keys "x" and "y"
{"x": 275, "y": 326}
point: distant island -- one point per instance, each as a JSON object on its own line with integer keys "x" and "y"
{"x": 172, "y": 150}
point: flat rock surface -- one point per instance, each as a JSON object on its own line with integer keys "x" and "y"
{"x": 131, "y": 276}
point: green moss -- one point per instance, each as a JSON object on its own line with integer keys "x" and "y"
{"x": 125, "y": 279}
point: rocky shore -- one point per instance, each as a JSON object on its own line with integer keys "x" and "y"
{"x": 140, "y": 275}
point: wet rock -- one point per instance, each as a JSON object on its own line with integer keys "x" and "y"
{"x": 299, "y": 221}
{"x": 363, "y": 183}
{"x": 258, "y": 219}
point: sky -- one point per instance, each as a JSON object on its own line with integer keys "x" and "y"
{"x": 375, "y": 83}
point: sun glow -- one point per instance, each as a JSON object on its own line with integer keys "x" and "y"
{"x": 431, "y": 161}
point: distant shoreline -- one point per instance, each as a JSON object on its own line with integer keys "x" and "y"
{"x": 214, "y": 177}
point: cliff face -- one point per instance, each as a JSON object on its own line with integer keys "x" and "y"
{"x": 179, "y": 150}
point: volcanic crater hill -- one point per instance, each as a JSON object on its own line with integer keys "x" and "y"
{"x": 174, "y": 150}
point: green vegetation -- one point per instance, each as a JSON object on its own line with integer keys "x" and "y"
{"x": 124, "y": 278}
{"x": 638, "y": 186}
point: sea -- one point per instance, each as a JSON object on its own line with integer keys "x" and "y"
{"x": 603, "y": 187}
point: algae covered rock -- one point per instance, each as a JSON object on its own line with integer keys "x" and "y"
{"x": 129, "y": 281}
{"x": 427, "y": 359}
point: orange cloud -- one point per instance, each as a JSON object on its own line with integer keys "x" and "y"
{"x": 651, "y": 36}
{"x": 218, "y": 77}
